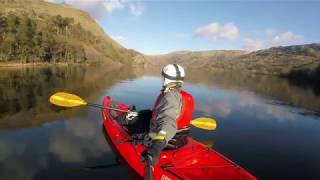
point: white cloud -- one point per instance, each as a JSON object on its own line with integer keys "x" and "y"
{"x": 136, "y": 8}
{"x": 285, "y": 38}
{"x": 100, "y": 9}
{"x": 112, "y": 5}
{"x": 118, "y": 38}
{"x": 216, "y": 31}
{"x": 282, "y": 39}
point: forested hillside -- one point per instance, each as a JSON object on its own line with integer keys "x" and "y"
{"x": 37, "y": 31}
{"x": 24, "y": 40}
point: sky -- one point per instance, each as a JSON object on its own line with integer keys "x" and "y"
{"x": 159, "y": 27}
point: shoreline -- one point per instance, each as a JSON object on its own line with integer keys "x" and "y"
{"x": 7, "y": 65}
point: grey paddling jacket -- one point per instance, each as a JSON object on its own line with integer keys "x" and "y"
{"x": 163, "y": 125}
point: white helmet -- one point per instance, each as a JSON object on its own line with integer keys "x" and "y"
{"x": 173, "y": 73}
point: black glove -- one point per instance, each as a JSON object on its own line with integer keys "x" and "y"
{"x": 153, "y": 151}
{"x": 147, "y": 141}
{"x": 137, "y": 139}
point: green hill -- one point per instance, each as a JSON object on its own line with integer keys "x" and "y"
{"x": 38, "y": 31}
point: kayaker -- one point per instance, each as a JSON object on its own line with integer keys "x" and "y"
{"x": 171, "y": 114}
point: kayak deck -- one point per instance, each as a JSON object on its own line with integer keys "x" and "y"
{"x": 192, "y": 161}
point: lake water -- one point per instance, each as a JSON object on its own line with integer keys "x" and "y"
{"x": 265, "y": 124}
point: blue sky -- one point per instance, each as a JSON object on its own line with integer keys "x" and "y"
{"x": 157, "y": 27}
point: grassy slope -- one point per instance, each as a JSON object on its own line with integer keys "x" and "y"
{"x": 194, "y": 59}
{"x": 273, "y": 61}
{"x": 110, "y": 51}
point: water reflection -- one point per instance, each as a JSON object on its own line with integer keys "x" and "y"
{"x": 212, "y": 106}
{"x": 209, "y": 143}
{"x": 264, "y": 123}
{"x": 275, "y": 89}
{"x": 51, "y": 138}
{"x": 48, "y": 152}
{"x": 24, "y": 92}
{"x": 74, "y": 143}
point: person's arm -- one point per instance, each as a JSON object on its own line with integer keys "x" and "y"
{"x": 168, "y": 110}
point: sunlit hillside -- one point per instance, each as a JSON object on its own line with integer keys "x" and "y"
{"x": 38, "y": 31}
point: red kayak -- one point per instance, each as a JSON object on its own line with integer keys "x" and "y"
{"x": 191, "y": 161}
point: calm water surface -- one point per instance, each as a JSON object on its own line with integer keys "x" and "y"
{"x": 266, "y": 125}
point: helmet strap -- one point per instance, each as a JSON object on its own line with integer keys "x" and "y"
{"x": 171, "y": 77}
{"x": 177, "y": 70}
{"x": 172, "y": 85}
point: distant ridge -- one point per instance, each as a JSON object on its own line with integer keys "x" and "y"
{"x": 273, "y": 61}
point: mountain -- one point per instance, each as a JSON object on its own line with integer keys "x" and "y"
{"x": 193, "y": 59}
{"x": 39, "y": 31}
{"x": 300, "y": 64}
{"x": 273, "y": 61}
{"x": 280, "y": 60}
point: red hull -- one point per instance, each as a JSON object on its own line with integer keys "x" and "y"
{"x": 192, "y": 161}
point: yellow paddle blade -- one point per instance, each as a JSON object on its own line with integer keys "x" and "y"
{"x": 66, "y": 100}
{"x": 207, "y": 143}
{"x": 204, "y": 123}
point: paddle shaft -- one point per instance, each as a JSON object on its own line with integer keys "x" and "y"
{"x": 194, "y": 122}
{"x": 104, "y": 107}
{"x": 71, "y": 100}
{"x": 149, "y": 169}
